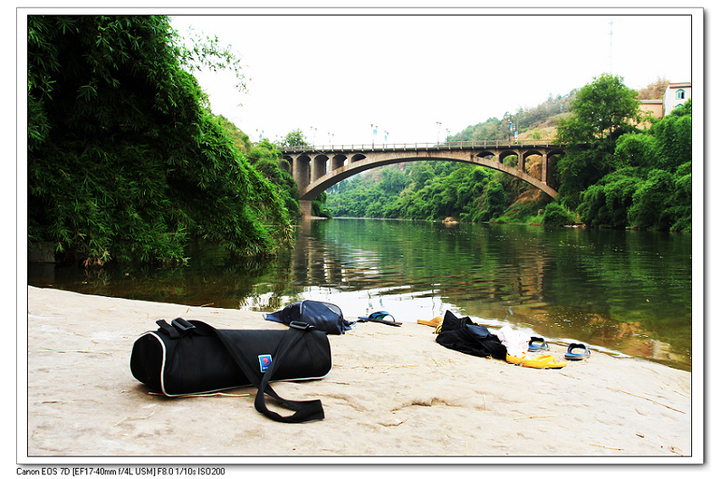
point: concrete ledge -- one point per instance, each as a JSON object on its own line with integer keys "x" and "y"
{"x": 392, "y": 392}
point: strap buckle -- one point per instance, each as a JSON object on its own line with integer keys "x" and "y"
{"x": 301, "y": 325}
{"x": 182, "y": 324}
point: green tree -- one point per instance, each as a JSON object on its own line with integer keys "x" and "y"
{"x": 493, "y": 202}
{"x": 651, "y": 206}
{"x": 601, "y": 112}
{"x": 318, "y": 207}
{"x": 663, "y": 200}
{"x": 681, "y": 202}
{"x": 266, "y": 158}
{"x": 294, "y": 138}
{"x": 420, "y": 173}
{"x": 636, "y": 150}
{"x": 392, "y": 181}
{"x": 556, "y": 215}
{"x": 674, "y": 136}
{"x": 652, "y": 186}
{"x": 240, "y": 138}
{"x": 125, "y": 159}
{"x": 607, "y": 202}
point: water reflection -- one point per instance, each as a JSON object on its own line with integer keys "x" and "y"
{"x": 621, "y": 290}
{"x": 624, "y": 291}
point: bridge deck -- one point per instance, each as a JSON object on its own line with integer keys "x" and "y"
{"x": 452, "y": 145}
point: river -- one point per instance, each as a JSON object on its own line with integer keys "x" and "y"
{"x": 625, "y": 292}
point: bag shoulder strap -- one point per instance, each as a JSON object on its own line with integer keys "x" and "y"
{"x": 171, "y": 331}
{"x": 304, "y": 410}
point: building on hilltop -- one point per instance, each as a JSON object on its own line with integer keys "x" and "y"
{"x": 652, "y": 107}
{"x": 655, "y": 107}
{"x": 676, "y": 94}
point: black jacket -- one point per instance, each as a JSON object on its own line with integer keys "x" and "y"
{"x": 461, "y": 334}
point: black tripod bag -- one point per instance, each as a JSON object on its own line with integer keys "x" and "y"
{"x": 192, "y": 357}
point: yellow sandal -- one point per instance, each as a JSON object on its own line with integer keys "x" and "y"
{"x": 546, "y": 361}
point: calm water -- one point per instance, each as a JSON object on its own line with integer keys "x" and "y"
{"x": 624, "y": 291}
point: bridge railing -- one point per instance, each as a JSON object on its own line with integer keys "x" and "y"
{"x": 451, "y": 145}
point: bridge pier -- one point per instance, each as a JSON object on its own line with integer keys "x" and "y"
{"x": 318, "y": 167}
{"x": 338, "y": 161}
{"x": 301, "y": 171}
{"x": 305, "y": 208}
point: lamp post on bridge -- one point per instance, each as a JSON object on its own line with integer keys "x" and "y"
{"x": 374, "y": 132}
{"x": 439, "y": 125}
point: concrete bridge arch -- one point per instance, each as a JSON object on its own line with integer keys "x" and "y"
{"x": 317, "y": 169}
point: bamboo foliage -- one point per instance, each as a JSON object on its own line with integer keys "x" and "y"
{"x": 125, "y": 159}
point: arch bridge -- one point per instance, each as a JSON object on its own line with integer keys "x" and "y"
{"x": 316, "y": 169}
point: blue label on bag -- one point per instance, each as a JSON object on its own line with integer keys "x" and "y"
{"x": 265, "y": 361}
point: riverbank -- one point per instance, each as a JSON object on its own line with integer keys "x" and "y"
{"x": 393, "y": 395}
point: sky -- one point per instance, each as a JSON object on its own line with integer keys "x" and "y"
{"x": 416, "y": 76}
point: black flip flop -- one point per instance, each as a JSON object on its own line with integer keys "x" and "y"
{"x": 377, "y": 317}
{"x": 533, "y": 346}
{"x": 577, "y": 356}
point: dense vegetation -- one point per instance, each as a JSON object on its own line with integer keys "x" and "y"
{"x": 649, "y": 184}
{"x": 125, "y": 159}
{"x": 421, "y": 190}
{"x": 616, "y": 175}
{"x": 613, "y": 174}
